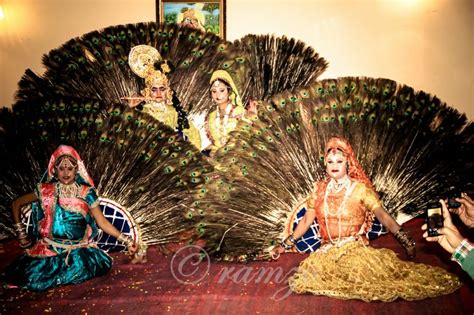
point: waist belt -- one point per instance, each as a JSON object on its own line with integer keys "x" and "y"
{"x": 67, "y": 247}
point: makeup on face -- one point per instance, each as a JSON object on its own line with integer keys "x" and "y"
{"x": 66, "y": 171}
{"x": 159, "y": 92}
{"x": 336, "y": 165}
{"x": 219, "y": 92}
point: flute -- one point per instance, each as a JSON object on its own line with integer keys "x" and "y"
{"x": 137, "y": 98}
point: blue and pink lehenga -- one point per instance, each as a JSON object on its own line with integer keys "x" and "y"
{"x": 64, "y": 252}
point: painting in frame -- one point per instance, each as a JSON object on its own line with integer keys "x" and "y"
{"x": 209, "y": 15}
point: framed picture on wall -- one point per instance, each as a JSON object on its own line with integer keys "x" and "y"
{"x": 208, "y": 15}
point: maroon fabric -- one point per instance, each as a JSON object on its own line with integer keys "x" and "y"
{"x": 226, "y": 288}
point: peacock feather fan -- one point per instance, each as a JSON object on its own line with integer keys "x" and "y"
{"x": 95, "y": 65}
{"x": 134, "y": 160}
{"x": 279, "y": 63}
{"x": 412, "y": 146}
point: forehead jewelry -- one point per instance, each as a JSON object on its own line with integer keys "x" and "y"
{"x": 216, "y": 83}
{"x": 66, "y": 163}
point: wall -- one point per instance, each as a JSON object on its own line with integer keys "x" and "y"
{"x": 427, "y": 44}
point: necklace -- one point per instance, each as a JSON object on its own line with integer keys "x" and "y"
{"x": 67, "y": 191}
{"x": 336, "y": 187}
{"x": 222, "y": 128}
{"x": 157, "y": 107}
{"x": 349, "y": 188}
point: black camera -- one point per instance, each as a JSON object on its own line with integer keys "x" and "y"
{"x": 434, "y": 218}
{"x": 452, "y": 195}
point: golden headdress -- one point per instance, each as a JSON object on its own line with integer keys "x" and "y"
{"x": 224, "y": 76}
{"x": 142, "y": 60}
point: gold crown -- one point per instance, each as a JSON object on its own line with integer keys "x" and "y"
{"x": 142, "y": 59}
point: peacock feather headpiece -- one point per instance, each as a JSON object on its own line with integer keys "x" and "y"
{"x": 142, "y": 60}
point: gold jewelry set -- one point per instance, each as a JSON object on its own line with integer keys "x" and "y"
{"x": 221, "y": 127}
{"x": 66, "y": 163}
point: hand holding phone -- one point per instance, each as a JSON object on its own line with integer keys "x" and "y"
{"x": 434, "y": 218}
{"x": 450, "y": 237}
{"x": 452, "y": 195}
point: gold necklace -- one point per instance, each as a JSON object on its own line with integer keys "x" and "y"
{"x": 222, "y": 128}
{"x": 349, "y": 187}
{"x": 68, "y": 191}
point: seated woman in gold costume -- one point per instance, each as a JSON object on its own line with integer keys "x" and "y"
{"x": 345, "y": 267}
{"x": 158, "y": 99}
{"x": 229, "y": 110}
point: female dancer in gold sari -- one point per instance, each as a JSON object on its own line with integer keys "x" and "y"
{"x": 345, "y": 267}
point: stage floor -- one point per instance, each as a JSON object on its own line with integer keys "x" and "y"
{"x": 173, "y": 284}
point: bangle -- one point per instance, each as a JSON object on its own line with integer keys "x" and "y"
{"x": 142, "y": 247}
{"x": 21, "y": 235}
{"x": 404, "y": 238}
{"x": 292, "y": 239}
{"x": 285, "y": 245}
{"x": 127, "y": 240}
{"x": 19, "y": 227}
{"x": 20, "y": 231}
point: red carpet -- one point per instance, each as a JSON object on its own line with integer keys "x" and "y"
{"x": 255, "y": 288}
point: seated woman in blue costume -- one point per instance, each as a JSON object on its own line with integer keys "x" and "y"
{"x": 65, "y": 216}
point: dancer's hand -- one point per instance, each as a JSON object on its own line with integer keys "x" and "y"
{"x": 252, "y": 108}
{"x": 276, "y": 252}
{"x": 24, "y": 242}
{"x": 139, "y": 254}
{"x": 449, "y": 237}
{"x": 138, "y": 259}
{"x": 411, "y": 251}
{"x": 131, "y": 250}
{"x": 133, "y": 101}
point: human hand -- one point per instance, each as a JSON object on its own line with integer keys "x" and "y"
{"x": 24, "y": 242}
{"x": 276, "y": 252}
{"x": 139, "y": 255}
{"x": 449, "y": 237}
{"x": 132, "y": 249}
{"x": 252, "y": 107}
{"x": 466, "y": 210}
{"x": 407, "y": 242}
{"x": 410, "y": 250}
{"x": 133, "y": 101}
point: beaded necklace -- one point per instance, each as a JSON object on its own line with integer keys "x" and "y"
{"x": 332, "y": 186}
{"x": 222, "y": 128}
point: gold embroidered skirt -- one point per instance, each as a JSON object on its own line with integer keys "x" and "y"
{"x": 356, "y": 271}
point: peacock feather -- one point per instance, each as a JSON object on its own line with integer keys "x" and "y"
{"x": 279, "y": 63}
{"x": 412, "y": 146}
{"x": 133, "y": 159}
